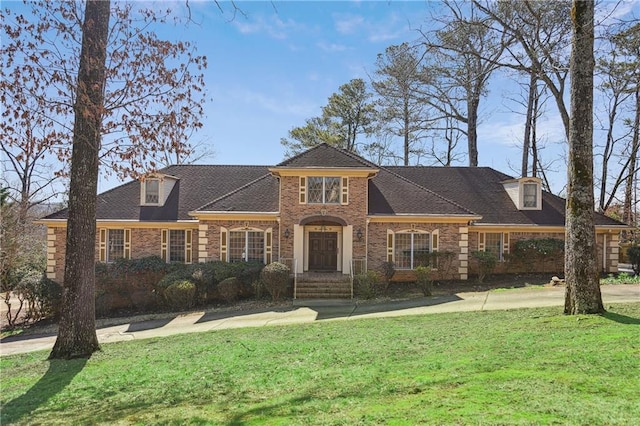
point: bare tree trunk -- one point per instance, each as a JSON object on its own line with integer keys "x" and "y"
{"x": 581, "y": 272}
{"x": 472, "y": 130}
{"x": 526, "y": 144}
{"x": 77, "y": 330}
{"x": 627, "y": 213}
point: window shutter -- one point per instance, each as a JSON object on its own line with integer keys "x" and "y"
{"x": 505, "y": 242}
{"x": 345, "y": 190}
{"x": 164, "y": 253}
{"x": 303, "y": 190}
{"x": 103, "y": 245}
{"x": 188, "y": 234}
{"x": 480, "y": 241}
{"x": 389, "y": 245}
{"x": 435, "y": 240}
{"x": 268, "y": 235}
{"x": 223, "y": 244}
{"x": 127, "y": 243}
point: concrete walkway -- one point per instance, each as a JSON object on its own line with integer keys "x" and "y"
{"x": 323, "y": 311}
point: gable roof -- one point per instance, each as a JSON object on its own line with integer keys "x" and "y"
{"x": 197, "y": 184}
{"x": 393, "y": 190}
{"x": 326, "y": 156}
{"x": 481, "y": 190}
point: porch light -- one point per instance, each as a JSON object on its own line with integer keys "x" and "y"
{"x": 286, "y": 233}
{"x": 359, "y": 234}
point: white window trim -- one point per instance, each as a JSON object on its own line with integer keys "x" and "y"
{"x": 165, "y": 245}
{"x": 103, "y": 253}
{"x": 143, "y": 192}
{"x": 538, "y": 205}
{"x": 266, "y": 250}
{"x": 504, "y": 243}
{"x": 391, "y": 250}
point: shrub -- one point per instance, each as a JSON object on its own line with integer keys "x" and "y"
{"x": 487, "y": 262}
{"x": 129, "y": 284}
{"x": 387, "y": 270}
{"x": 180, "y": 295}
{"x": 229, "y": 289}
{"x": 534, "y": 252}
{"x": 43, "y": 295}
{"x": 368, "y": 284}
{"x": 275, "y": 278}
{"x": 424, "y": 280}
{"x": 443, "y": 262}
{"x": 633, "y": 253}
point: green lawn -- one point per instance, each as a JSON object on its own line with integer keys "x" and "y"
{"x": 531, "y": 366}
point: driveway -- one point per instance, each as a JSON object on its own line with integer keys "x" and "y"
{"x": 326, "y": 311}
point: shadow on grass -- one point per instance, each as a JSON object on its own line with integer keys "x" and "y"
{"x": 56, "y": 378}
{"x": 622, "y": 319}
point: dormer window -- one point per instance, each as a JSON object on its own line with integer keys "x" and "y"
{"x": 151, "y": 191}
{"x": 530, "y": 195}
{"x": 526, "y": 193}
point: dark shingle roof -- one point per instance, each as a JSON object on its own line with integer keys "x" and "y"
{"x": 394, "y": 190}
{"x": 480, "y": 189}
{"x": 261, "y": 195}
{"x": 390, "y": 194}
{"x": 198, "y": 184}
{"x": 325, "y": 155}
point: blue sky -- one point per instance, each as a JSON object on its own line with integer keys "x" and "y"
{"x": 277, "y": 66}
{"x": 274, "y": 65}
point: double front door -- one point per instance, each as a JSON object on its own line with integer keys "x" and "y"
{"x": 323, "y": 251}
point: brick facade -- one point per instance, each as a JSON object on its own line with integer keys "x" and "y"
{"x": 367, "y": 241}
{"x": 449, "y": 240}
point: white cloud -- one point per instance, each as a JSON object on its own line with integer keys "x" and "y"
{"x": 283, "y": 105}
{"x": 510, "y": 133}
{"x": 348, "y": 23}
{"x": 331, "y": 47}
{"x": 272, "y": 26}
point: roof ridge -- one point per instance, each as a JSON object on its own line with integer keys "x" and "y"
{"x": 350, "y": 154}
{"x": 428, "y": 190}
{"x": 235, "y": 191}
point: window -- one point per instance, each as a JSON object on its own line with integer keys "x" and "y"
{"x": 176, "y": 245}
{"x": 411, "y": 250}
{"x": 115, "y": 244}
{"x": 494, "y": 242}
{"x": 530, "y": 195}
{"x": 152, "y": 191}
{"x": 246, "y": 246}
{"x": 323, "y": 190}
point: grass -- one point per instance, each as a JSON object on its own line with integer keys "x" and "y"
{"x": 530, "y": 366}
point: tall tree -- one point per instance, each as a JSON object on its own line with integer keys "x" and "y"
{"x": 348, "y": 114}
{"x": 77, "y": 329}
{"x": 581, "y": 270}
{"x": 537, "y": 35}
{"x": 620, "y": 82}
{"x": 152, "y": 101}
{"x": 403, "y": 111}
{"x": 466, "y": 53}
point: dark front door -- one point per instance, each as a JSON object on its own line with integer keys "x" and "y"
{"x": 323, "y": 251}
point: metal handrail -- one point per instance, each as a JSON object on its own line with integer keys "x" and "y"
{"x": 295, "y": 278}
